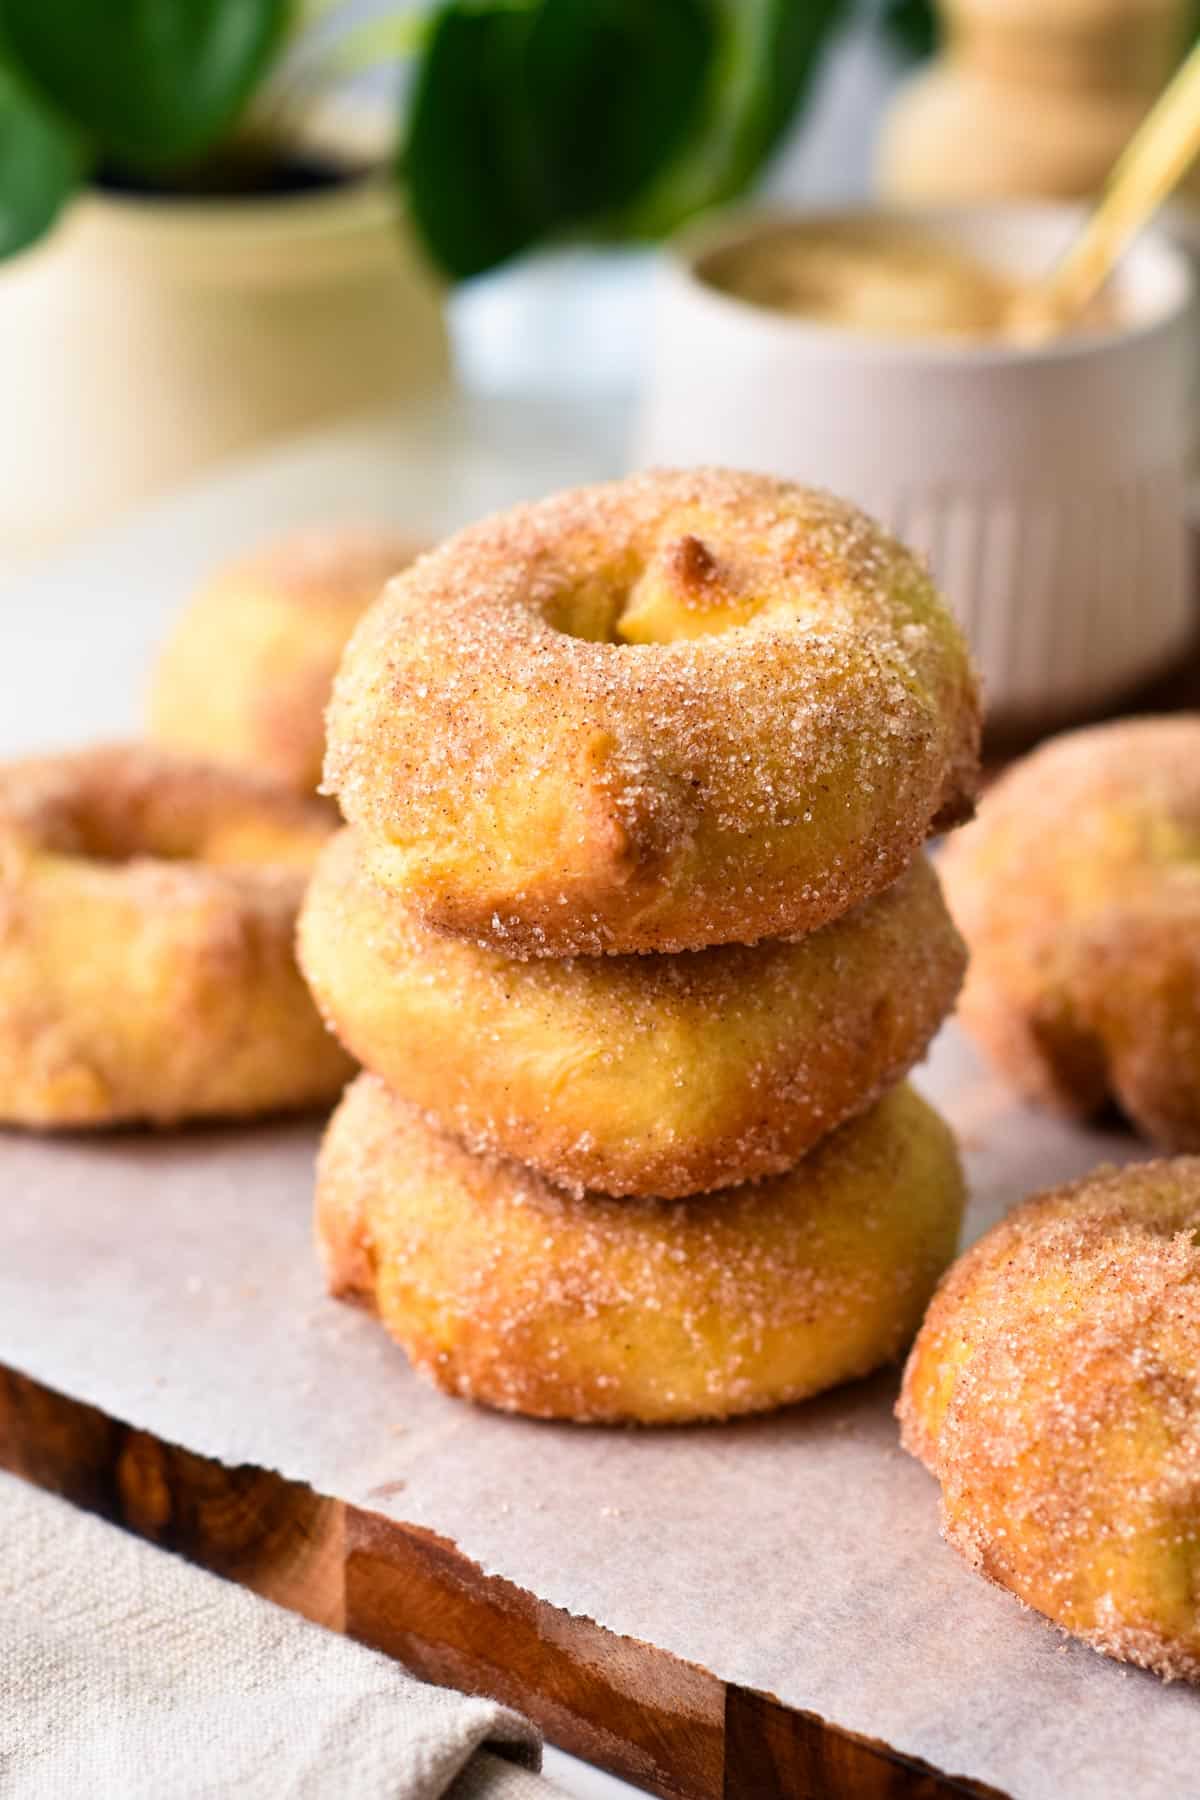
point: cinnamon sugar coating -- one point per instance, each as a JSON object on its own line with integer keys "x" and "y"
{"x": 246, "y": 672}
{"x": 511, "y": 1292}
{"x": 147, "y": 911}
{"x": 1054, "y": 1391}
{"x": 684, "y": 709}
{"x": 1078, "y": 891}
{"x": 663, "y": 1075}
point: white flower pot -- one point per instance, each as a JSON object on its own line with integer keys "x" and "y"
{"x": 148, "y": 337}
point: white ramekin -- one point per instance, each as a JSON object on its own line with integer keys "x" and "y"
{"x": 1046, "y": 485}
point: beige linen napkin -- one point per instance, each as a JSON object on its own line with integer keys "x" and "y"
{"x": 126, "y": 1674}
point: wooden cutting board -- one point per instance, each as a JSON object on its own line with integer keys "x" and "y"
{"x": 669, "y": 1726}
{"x": 754, "y": 1609}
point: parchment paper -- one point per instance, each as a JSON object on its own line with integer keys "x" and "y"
{"x": 171, "y": 1282}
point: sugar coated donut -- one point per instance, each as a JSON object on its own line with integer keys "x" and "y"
{"x": 684, "y": 709}
{"x": 1054, "y": 1390}
{"x": 1078, "y": 891}
{"x": 512, "y": 1292}
{"x": 245, "y": 675}
{"x": 661, "y": 1075}
{"x": 147, "y": 910}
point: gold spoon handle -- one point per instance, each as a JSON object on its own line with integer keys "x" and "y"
{"x": 1156, "y": 158}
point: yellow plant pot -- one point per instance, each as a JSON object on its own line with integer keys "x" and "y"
{"x": 149, "y": 337}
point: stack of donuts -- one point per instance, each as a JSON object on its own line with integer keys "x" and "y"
{"x": 632, "y": 933}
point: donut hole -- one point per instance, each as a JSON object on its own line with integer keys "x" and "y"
{"x": 1178, "y": 846}
{"x": 117, "y": 823}
{"x": 114, "y": 838}
{"x": 588, "y": 610}
{"x": 121, "y": 831}
{"x": 685, "y": 589}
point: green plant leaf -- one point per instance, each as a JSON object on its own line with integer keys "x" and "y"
{"x": 536, "y": 117}
{"x": 912, "y": 26}
{"x": 41, "y": 164}
{"x": 614, "y": 84}
{"x": 153, "y": 81}
{"x": 769, "y": 51}
{"x": 473, "y": 175}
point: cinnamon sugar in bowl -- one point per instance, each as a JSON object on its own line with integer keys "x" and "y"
{"x": 1045, "y": 482}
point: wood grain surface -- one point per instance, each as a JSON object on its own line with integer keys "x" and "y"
{"x": 672, "y": 1728}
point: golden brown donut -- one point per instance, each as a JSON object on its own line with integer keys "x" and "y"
{"x": 147, "y": 911}
{"x": 683, "y": 709}
{"x": 1054, "y": 1391}
{"x": 506, "y": 1290}
{"x": 245, "y": 674}
{"x": 1078, "y": 892}
{"x": 662, "y": 1075}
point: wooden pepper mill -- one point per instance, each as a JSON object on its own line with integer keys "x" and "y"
{"x": 1029, "y": 97}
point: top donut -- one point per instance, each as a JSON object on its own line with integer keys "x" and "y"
{"x": 684, "y": 709}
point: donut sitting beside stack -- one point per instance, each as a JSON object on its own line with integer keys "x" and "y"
{"x": 246, "y": 672}
{"x": 147, "y": 915}
{"x": 675, "y": 716}
{"x": 1078, "y": 890}
{"x": 1054, "y": 1391}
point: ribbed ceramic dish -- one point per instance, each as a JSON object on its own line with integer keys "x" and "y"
{"x": 1046, "y": 485}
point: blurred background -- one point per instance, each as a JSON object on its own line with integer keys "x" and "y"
{"x": 261, "y": 214}
{"x": 226, "y": 227}
{"x": 522, "y": 326}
